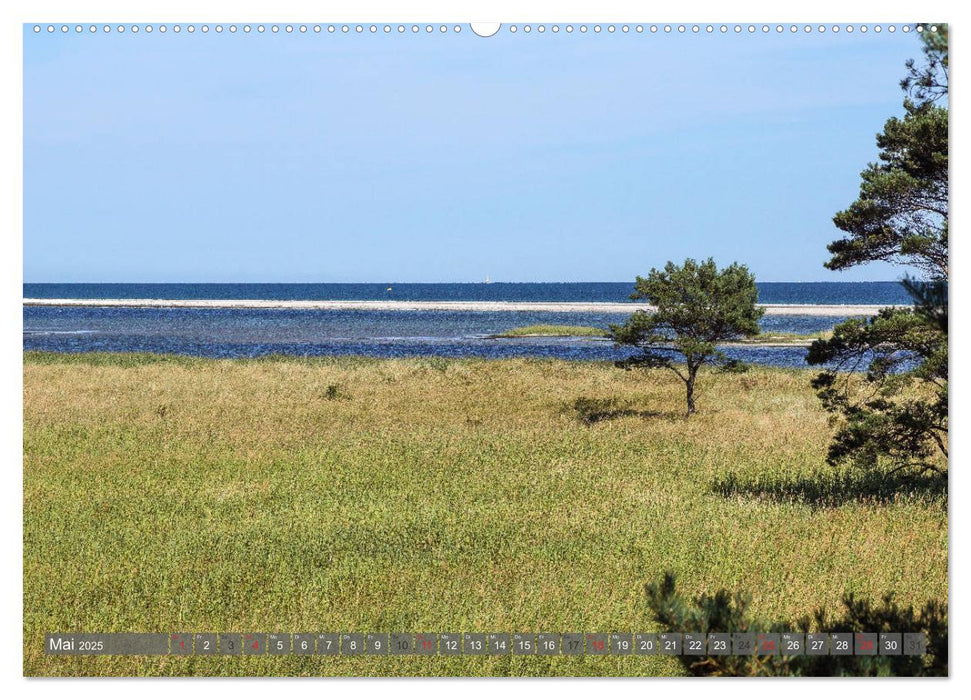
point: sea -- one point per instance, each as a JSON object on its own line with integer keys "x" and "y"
{"x": 237, "y": 333}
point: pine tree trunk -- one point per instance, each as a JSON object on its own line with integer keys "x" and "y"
{"x": 690, "y": 388}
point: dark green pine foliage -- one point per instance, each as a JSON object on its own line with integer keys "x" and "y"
{"x": 927, "y": 82}
{"x": 696, "y": 306}
{"x": 900, "y": 215}
{"x": 728, "y": 612}
{"x": 897, "y": 409}
{"x": 885, "y": 378}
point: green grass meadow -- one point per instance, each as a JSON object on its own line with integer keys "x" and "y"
{"x": 553, "y": 331}
{"x": 166, "y": 494}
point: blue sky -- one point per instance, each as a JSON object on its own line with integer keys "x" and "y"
{"x": 445, "y": 158}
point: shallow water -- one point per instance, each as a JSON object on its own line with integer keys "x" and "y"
{"x": 256, "y": 332}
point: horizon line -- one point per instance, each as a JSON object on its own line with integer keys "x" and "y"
{"x": 489, "y": 282}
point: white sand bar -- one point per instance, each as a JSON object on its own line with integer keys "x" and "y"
{"x": 395, "y": 305}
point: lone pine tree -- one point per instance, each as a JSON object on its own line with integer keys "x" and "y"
{"x": 696, "y": 306}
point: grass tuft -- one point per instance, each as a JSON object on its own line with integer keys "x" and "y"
{"x": 553, "y": 331}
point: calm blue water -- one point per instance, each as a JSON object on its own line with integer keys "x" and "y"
{"x": 256, "y": 332}
{"x": 769, "y": 292}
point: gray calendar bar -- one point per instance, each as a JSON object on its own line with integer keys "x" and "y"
{"x": 495, "y": 643}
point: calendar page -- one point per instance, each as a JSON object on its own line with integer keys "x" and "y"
{"x": 460, "y": 349}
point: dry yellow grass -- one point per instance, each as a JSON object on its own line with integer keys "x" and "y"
{"x": 167, "y": 494}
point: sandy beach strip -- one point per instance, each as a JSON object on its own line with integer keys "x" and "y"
{"x": 395, "y": 305}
